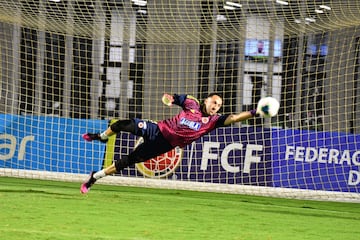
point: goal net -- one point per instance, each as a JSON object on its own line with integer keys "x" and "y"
{"x": 71, "y": 67}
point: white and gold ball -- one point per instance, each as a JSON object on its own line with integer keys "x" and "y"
{"x": 268, "y": 107}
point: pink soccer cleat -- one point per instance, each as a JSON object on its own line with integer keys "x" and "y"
{"x": 85, "y": 187}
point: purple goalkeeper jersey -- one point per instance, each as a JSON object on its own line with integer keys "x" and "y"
{"x": 190, "y": 124}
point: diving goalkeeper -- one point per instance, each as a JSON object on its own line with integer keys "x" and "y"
{"x": 195, "y": 120}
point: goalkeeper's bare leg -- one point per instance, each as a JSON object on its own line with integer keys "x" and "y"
{"x": 121, "y": 125}
{"x": 85, "y": 187}
{"x": 142, "y": 153}
{"x": 154, "y": 144}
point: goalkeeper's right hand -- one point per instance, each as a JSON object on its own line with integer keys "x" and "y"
{"x": 167, "y": 99}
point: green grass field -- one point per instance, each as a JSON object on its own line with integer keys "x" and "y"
{"x": 35, "y": 209}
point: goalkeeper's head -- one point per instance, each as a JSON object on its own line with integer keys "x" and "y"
{"x": 212, "y": 104}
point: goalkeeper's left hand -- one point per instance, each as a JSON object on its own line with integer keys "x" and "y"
{"x": 167, "y": 99}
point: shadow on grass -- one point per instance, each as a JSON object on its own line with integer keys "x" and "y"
{"x": 34, "y": 191}
{"x": 320, "y": 213}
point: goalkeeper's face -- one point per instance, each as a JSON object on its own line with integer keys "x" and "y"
{"x": 212, "y": 105}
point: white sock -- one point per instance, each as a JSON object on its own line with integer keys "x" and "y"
{"x": 99, "y": 174}
{"x": 103, "y": 136}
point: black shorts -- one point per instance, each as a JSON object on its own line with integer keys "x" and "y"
{"x": 153, "y": 143}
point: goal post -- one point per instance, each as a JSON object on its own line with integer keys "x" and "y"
{"x": 70, "y": 67}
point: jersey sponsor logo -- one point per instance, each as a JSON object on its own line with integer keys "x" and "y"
{"x": 162, "y": 165}
{"x": 191, "y": 124}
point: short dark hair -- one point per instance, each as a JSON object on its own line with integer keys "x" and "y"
{"x": 214, "y": 94}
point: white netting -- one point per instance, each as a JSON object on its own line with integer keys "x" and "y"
{"x": 67, "y": 67}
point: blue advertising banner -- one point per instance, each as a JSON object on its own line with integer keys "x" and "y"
{"x": 316, "y": 160}
{"x": 49, "y": 143}
{"x": 247, "y": 155}
{"x": 227, "y": 155}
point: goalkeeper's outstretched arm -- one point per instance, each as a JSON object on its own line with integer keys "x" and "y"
{"x": 233, "y": 118}
{"x": 267, "y": 107}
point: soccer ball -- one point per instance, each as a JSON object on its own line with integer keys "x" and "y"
{"x": 268, "y": 107}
